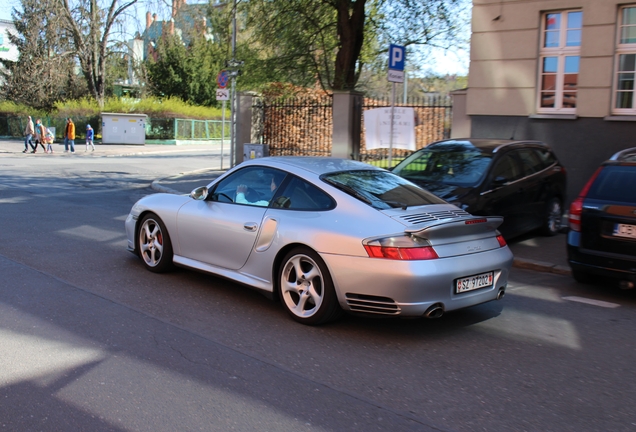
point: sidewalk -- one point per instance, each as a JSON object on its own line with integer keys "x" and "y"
{"x": 547, "y": 254}
{"x": 15, "y": 147}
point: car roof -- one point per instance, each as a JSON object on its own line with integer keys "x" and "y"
{"x": 316, "y": 165}
{"x": 627, "y": 155}
{"x": 485, "y": 145}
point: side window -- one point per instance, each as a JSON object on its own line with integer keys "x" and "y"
{"x": 547, "y": 158}
{"x": 249, "y": 186}
{"x": 297, "y": 194}
{"x": 530, "y": 162}
{"x": 505, "y": 170}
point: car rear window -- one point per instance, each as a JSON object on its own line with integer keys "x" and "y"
{"x": 454, "y": 165}
{"x": 615, "y": 183}
{"x": 381, "y": 189}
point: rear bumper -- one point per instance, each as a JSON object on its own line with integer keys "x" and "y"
{"x": 409, "y": 288}
{"x": 599, "y": 263}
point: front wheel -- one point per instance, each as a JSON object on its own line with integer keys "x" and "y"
{"x": 552, "y": 218}
{"x": 154, "y": 245}
{"x": 306, "y": 288}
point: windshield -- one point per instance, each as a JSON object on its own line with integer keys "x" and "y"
{"x": 381, "y": 189}
{"x": 452, "y": 167}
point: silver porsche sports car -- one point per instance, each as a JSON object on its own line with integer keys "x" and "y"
{"x": 327, "y": 235}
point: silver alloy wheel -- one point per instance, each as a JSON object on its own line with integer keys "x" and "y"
{"x": 151, "y": 242}
{"x": 555, "y": 213}
{"x": 302, "y": 286}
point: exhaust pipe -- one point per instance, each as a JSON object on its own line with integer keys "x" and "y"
{"x": 435, "y": 311}
{"x": 626, "y": 285}
{"x": 501, "y": 293}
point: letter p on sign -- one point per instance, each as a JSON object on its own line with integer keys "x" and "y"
{"x": 396, "y": 57}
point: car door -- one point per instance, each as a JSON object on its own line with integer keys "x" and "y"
{"x": 502, "y": 196}
{"x": 220, "y": 231}
{"x": 532, "y": 187}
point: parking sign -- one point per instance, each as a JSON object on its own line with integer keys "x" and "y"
{"x": 397, "y": 57}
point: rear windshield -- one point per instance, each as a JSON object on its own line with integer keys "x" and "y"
{"x": 381, "y": 189}
{"x": 456, "y": 166}
{"x": 615, "y": 183}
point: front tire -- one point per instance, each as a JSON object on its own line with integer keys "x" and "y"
{"x": 306, "y": 288}
{"x": 552, "y": 218}
{"x": 154, "y": 245}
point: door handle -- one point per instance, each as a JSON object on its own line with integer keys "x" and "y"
{"x": 250, "y": 226}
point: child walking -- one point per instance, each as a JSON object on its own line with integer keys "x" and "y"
{"x": 90, "y": 133}
{"x": 49, "y": 141}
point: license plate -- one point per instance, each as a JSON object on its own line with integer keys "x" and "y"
{"x": 473, "y": 282}
{"x": 623, "y": 230}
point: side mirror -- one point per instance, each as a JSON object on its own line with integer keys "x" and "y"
{"x": 199, "y": 194}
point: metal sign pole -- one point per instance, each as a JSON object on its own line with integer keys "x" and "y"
{"x": 222, "y": 132}
{"x": 391, "y": 133}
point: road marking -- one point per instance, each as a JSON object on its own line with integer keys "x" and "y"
{"x": 592, "y": 302}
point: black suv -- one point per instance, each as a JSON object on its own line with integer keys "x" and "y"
{"x": 522, "y": 181}
{"x": 602, "y": 236}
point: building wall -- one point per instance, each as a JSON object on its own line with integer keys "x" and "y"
{"x": 504, "y": 76}
{"x": 8, "y": 51}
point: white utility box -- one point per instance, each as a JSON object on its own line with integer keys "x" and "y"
{"x": 123, "y": 128}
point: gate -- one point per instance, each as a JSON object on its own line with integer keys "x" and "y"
{"x": 302, "y": 126}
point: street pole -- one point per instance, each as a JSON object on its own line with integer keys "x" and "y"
{"x": 233, "y": 102}
{"x": 391, "y": 133}
{"x": 222, "y": 132}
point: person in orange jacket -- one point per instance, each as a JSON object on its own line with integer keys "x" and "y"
{"x": 69, "y": 135}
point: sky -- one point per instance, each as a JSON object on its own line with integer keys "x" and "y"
{"x": 442, "y": 61}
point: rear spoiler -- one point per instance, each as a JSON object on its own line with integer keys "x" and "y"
{"x": 455, "y": 229}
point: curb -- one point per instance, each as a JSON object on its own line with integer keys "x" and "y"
{"x": 541, "y": 266}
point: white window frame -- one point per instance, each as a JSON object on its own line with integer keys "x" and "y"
{"x": 561, "y": 52}
{"x": 622, "y": 49}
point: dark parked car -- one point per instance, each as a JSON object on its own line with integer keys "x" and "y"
{"x": 522, "y": 181}
{"x": 602, "y": 236}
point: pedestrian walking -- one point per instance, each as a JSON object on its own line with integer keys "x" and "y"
{"x": 90, "y": 133}
{"x": 28, "y": 135}
{"x": 49, "y": 138}
{"x": 40, "y": 133}
{"x": 69, "y": 135}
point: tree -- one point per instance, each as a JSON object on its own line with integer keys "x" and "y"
{"x": 333, "y": 40}
{"x": 90, "y": 23}
{"x": 45, "y": 70}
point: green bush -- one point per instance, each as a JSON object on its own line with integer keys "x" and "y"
{"x": 151, "y": 106}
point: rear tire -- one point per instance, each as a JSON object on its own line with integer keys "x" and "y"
{"x": 553, "y": 216}
{"x": 306, "y": 288}
{"x": 582, "y": 277}
{"x": 154, "y": 245}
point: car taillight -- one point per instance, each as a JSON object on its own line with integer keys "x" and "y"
{"x": 501, "y": 240}
{"x": 404, "y": 248}
{"x": 576, "y": 208}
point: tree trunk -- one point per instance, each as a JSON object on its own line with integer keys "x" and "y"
{"x": 351, "y": 17}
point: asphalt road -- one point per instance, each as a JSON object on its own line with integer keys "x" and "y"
{"x": 89, "y": 340}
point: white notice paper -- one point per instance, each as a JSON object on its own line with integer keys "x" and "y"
{"x": 377, "y": 128}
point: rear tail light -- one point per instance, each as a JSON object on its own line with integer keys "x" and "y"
{"x": 501, "y": 240}
{"x": 403, "y": 248}
{"x": 576, "y": 208}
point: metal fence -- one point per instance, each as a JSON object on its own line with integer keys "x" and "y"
{"x": 432, "y": 123}
{"x": 303, "y": 126}
{"x": 295, "y": 126}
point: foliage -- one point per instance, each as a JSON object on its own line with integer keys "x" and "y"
{"x": 186, "y": 71}
{"x": 19, "y": 109}
{"x": 44, "y": 72}
{"x": 89, "y": 24}
{"x": 333, "y": 41}
{"x": 153, "y": 107}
